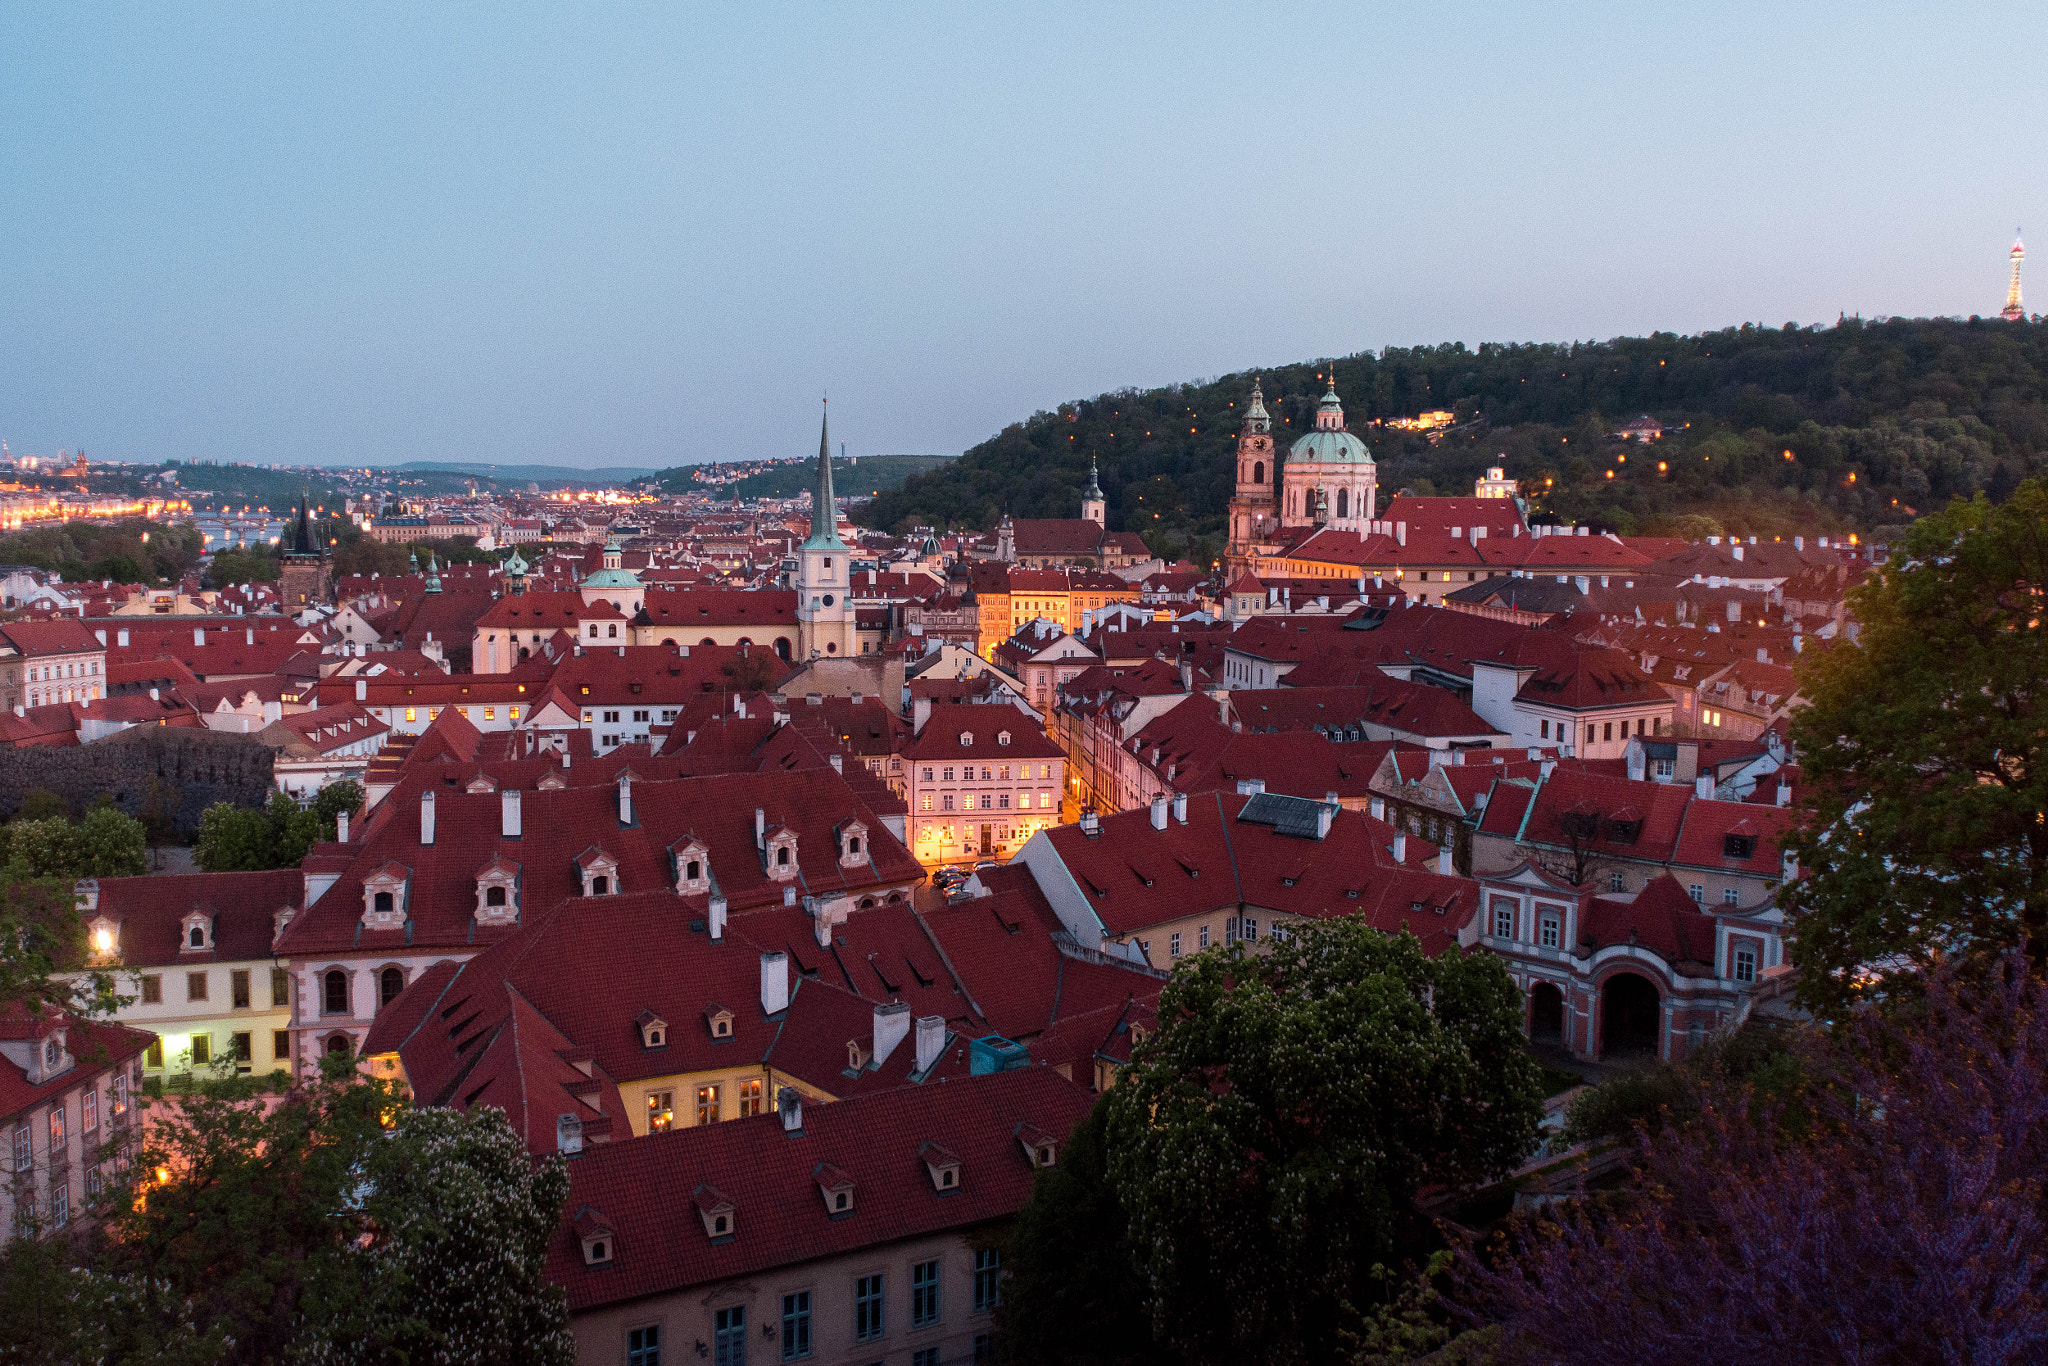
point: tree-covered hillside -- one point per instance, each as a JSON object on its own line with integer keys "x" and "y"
{"x": 1881, "y": 420}
{"x": 788, "y": 478}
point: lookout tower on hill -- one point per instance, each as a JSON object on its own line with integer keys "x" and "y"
{"x": 2013, "y": 311}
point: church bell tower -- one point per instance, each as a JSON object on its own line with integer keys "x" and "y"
{"x": 1252, "y": 517}
{"x": 824, "y": 614}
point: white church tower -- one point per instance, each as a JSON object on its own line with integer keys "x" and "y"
{"x": 824, "y": 612}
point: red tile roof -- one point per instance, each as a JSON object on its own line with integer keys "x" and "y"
{"x": 150, "y": 911}
{"x": 770, "y": 1179}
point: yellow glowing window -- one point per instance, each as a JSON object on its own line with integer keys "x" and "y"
{"x": 512, "y": 713}
{"x": 490, "y": 713}
{"x": 410, "y": 715}
{"x": 432, "y": 712}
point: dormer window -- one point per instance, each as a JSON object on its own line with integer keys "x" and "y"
{"x": 967, "y": 739}
{"x": 1738, "y": 846}
{"x": 600, "y": 872}
{"x": 715, "y": 1208}
{"x": 1002, "y": 737}
{"x": 781, "y": 851}
{"x": 480, "y": 783}
{"x": 943, "y": 1166}
{"x": 596, "y": 1236}
{"x": 1040, "y": 1149}
{"x": 719, "y": 1020}
{"x": 384, "y": 897}
{"x": 693, "y": 867}
{"x": 105, "y": 937}
{"x": 497, "y": 893}
{"x": 837, "y": 1189}
{"x": 653, "y": 1030}
{"x": 853, "y": 843}
{"x": 198, "y": 932}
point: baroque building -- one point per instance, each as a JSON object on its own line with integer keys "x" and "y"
{"x": 1329, "y": 480}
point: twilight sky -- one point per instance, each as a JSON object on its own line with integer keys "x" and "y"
{"x": 612, "y": 235}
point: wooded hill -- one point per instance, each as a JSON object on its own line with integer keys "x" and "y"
{"x": 787, "y": 479}
{"x": 1881, "y": 420}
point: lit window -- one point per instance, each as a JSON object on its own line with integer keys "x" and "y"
{"x": 707, "y": 1104}
{"x": 411, "y": 714}
{"x": 751, "y": 1098}
{"x": 924, "y": 803}
{"x": 661, "y": 1110}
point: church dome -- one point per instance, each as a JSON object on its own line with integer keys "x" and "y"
{"x": 1330, "y": 448}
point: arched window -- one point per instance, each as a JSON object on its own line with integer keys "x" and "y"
{"x": 1258, "y": 471}
{"x": 494, "y": 896}
{"x": 383, "y": 903}
{"x": 389, "y": 983}
{"x": 782, "y": 857}
{"x": 335, "y": 985}
{"x": 1343, "y": 502}
{"x": 867, "y": 903}
{"x": 340, "y": 1046}
{"x": 198, "y": 937}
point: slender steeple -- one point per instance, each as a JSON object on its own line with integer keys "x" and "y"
{"x": 824, "y": 511}
{"x": 1094, "y": 489}
{"x": 304, "y": 534}
{"x": 2014, "y": 311}
{"x": 1256, "y": 420}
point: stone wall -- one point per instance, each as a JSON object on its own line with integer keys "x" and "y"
{"x": 189, "y": 769}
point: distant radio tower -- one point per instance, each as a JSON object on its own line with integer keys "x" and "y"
{"x": 2013, "y": 312}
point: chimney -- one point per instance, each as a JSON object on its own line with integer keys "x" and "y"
{"x": 427, "y": 816}
{"x": 1784, "y": 793}
{"x": 836, "y": 762}
{"x": 789, "y": 894}
{"x": 1444, "y": 866}
{"x": 199, "y": 635}
{"x": 1159, "y": 811}
{"x": 341, "y": 827}
{"x": 1736, "y": 550}
{"x": 1638, "y": 766}
{"x": 626, "y": 797}
{"x": 102, "y": 638}
{"x": 1332, "y": 799}
{"x": 1401, "y": 847}
{"x": 1326, "y": 812}
{"x": 892, "y": 1027}
{"x": 760, "y": 828}
{"x": 1091, "y": 825}
{"x": 774, "y": 983}
{"x": 121, "y": 636}
{"x": 1583, "y": 584}
{"x": 1180, "y": 807}
{"x": 1799, "y": 543}
{"x": 1401, "y": 533}
{"x": 362, "y": 690}
{"x": 249, "y": 636}
{"x": 1250, "y": 787}
{"x": 1379, "y": 808}
{"x": 789, "y": 1103}
{"x": 931, "y": 1041}
{"x": 1549, "y": 767}
{"x": 508, "y": 805}
{"x": 564, "y": 749}
{"x": 718, "y": 911}
{"x": 568, "y": 1134}
{"x": 1703, "y": 787}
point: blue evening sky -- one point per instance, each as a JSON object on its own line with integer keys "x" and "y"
{"x": 601, "y": 234}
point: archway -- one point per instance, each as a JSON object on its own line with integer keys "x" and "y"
{"x": 1343, "y": 502}
{"x": 1258, "y": 471}
{"x": 339, "y": 1045}
{"x": 782, "y": 648}
{"x": 1546, "y": 1013}
{"x": 1630, "y": 1017}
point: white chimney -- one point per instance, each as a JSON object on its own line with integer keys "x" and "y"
{"x": 249, "y": 636}
{"x": 626, "y": 798}
{"x": 508, "y": 800}
{"x": 789, "y": 1103}
{"x": 774, "y": 983}
{"x": 1736, "y": 550}
{"x": 362, "y": 690}
{"x": 760, "y": 828}
{"x": 1159, "y": 811}
{"x": 718, "y": 911}
{"x": 1784, "y": 793}
{"x": 102, "y": 638}
{"x": 427, "y": 816}
{"x": 1703, "y": 787}
{"x": 199, "y": 635}
{"x": 789, "y": 894}
{"x": 1180, "y": 807}
{"x": 121, "y": 636}
{"x": 341, "y": 828}
{"x": 931, "y": 1041}
{"x": 1379, "y": 808}
{"x": 892, "y": 1027}
{"x": 1325, "y": 813}
{"x": 835, "y": 761}
{"x": 1401, "y": 847}
{"x": 568, "y": 1134}
{"x": 1401, "y": 533}
{"x": 1444, "y": 867}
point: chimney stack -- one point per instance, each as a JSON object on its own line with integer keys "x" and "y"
{"x": 1444, "y": 866}
{"x": 774, "y": 983}
{"x": 341, "y": 826}
{"x": 760, "y": 828}
{"x": 121, "y": 636}
{"x": 1401, "y": 847}
{"x": 1379, "y": 808}
{"x": 892, "y": 1027}
{"x": 362, "y": 690}
{"x": 1784, "y": 793}
{"x": 837, "y": 763}
{"x": 508, "y": 807}
{"x": 718, "y": 912}
{"x": 1326, "y": 813}
{"x": 427, "y": 816}
{"x": 1159, "y": 811}
{"x": 199, "y": 635}
{"x": 789, "y": 1103}
{"x": 626, "y": 797}
{"x": 1703, "y": 787}
{"x": 931, "y": 1041}
{"x": 1180, "y": 807}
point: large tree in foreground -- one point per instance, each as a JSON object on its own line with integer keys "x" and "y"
{"x": 1267, "y": 1142}
{"x": 1923, "y": 752}
{"x": 1900, "y": 1220}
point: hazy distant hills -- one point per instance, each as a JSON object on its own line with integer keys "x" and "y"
{"x": 1881, "y": 419}
{"x": 865, "y": 474}
{"x": 529, "y": 474}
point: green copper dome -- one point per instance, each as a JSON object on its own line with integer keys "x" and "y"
{"x": 1330, "y": 448}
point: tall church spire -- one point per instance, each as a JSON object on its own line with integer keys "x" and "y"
{"x": 824, "y": 511}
